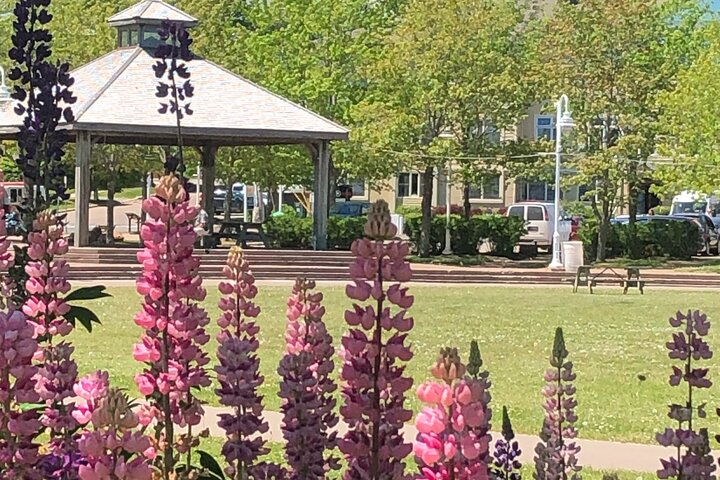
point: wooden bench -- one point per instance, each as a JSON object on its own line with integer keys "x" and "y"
{"x": 241, "y": 232}
{"x": 631, "y": 279}
{"x": 133, "y": 217}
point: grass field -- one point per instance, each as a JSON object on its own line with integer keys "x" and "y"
{"x": 616, "y": 342}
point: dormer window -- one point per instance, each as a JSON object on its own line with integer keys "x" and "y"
{"x": 139, "y": 24}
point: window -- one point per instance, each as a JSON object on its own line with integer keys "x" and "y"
{"x": 488, "y": 190}
{"x": 134, "y": 36}
{"x": 150, "y": 38}
{"x": 124, "y": 37}
{"x": 409, "y": 185}
{"x": 535, "y": 214}
{"x": 534, "y": 191}
{"x": 517, "y": 211}
{"x": 544, "y": 127}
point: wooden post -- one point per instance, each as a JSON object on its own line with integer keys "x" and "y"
{"x": 208, "y": 183}
{"x": 82, "y": 189}
{"x": 321, "y": 195}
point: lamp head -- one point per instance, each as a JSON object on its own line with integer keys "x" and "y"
{"x": 566, "y": 120}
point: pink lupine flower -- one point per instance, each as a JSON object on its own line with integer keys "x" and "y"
{"x": 377, "y": 456}
{"x": 451, "y": 442}
{"x": 174, "y": 324}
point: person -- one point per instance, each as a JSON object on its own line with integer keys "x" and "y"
{"x": 651, "y": 212}
{"x": 202, "y": 224}
{"x": 4, "y": 197}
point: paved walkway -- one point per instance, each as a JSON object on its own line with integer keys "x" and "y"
{"x": 595, "y": 454}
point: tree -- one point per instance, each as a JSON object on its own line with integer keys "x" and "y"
{"x": 691, "y": 131}
{"x": 449, "y": 66}
{"x": 613, "y": 59}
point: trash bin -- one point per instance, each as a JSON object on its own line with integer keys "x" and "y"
{"x": 399, "y": 222}
{"x": 573, "y": 256}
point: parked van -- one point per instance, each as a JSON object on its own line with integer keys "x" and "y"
{"x": 540, "y": 222}
{"x": 694, "y": 202}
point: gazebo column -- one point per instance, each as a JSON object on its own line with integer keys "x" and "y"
{"x": 321, "y": 195}
{"x": 82, "y": 189}
{"x": 207, "y": 182}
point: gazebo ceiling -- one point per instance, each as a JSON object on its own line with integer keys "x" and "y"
{"x": 116, "y": 100}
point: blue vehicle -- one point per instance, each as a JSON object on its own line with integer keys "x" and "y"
{"x": 350, "y": 209}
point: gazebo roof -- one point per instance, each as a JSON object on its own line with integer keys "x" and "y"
{"x": 116, "y": 100}
{"x": 151, "y": 11}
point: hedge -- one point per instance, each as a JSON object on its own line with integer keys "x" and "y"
{"x": 290, "y": 231}
{"x": 672, "y": 238}
{"x": 502, "y": 233}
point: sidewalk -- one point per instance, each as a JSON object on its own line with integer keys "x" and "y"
{"x": 595, "y": 454}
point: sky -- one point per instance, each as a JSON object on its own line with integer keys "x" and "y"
{"x": 715, "y": 4}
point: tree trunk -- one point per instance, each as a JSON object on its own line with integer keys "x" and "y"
{"x": 603, "y": 232}
{"x": 467, "y": 208}
{"x": 111, "y": 212}
{"x": 333, "y": 182}
{"x": 425, "y": 230}
{"x": 228, "y": 200}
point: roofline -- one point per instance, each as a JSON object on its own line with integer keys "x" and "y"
{"x": 129, "y": 21}
{"x": 225, "y": 136}
{"x": 148, "y": 21}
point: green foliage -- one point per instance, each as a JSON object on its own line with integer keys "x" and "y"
{"x": 343, "y": 231}
{"x": 673, "y": 239}
{"x": 289, "y": 230}
{"x": 503, "y": 233}
{"x": 474, "y": 360}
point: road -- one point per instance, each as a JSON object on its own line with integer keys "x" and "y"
{"x": 98, "y": 215}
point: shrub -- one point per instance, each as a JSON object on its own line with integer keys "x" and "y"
{"x": 343, "y": 231}
{"x": 289, "y": 230}
{"x": 503, "y": 233}
{"x": 674, "y": 239}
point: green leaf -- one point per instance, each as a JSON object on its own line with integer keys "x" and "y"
{"x": 88, "y": 293}
{"x": 29, "y": 407}
{"x": 209, "y": 463}
{"x": 85, "y": 316}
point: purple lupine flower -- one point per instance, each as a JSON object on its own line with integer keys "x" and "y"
{"x": 306, "y": 387}
{"x": 507, "y": 453}
{"x": 693, "y": 458}
{"x": 43, "y": 99}
{"x": 556, "y": 453}
{"x": 238, "y": 371}
{"x": 174, "y": 82}
{"x": 375, "y": 383}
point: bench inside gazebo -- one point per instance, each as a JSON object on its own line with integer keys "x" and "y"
{"x": 117, "y": 105}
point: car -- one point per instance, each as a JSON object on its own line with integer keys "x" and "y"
{"x": 349, "y": 209}
{"x": 539, "y": 218}
{"x": 708, "y": 232}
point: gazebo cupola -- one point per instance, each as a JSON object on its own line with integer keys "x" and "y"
{"x": 139, "y": 24}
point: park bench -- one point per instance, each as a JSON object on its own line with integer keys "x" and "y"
{"x": 241, "y": 232}
{"x": 629, "y": 279}
{"x": 133, "y": 217}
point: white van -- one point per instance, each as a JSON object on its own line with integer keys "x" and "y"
{"x": 540, "y": 222}
{"x": 693, "y": 202}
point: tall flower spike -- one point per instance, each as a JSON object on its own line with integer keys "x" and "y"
{"x": 43, "y": 98}
{"x": 114, "y": 446}
{"x": 556, "y": 453}
{"x": 452, "y": 440}
{"x": 174, "y": 85}
{"x": 507, "y": 453}
{"x": 238, "y": 371}
{"x": 373, "y": 352}
{"x": 688, "y": 346}
{"x": 174, "y": 325}
{"x": 18, "y": 429}
{"x": 306, "y": 387}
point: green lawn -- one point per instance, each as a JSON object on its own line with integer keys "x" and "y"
{"x": 614, "y": 341}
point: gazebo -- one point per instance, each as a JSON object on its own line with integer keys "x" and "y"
{"x": 117, "y": 103}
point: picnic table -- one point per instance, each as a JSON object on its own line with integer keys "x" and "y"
{"x": 629, "y": 279}
{"x": 241, "y": 232}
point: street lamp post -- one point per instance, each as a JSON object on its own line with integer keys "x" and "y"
{"x": 563, "y": 119}
{"x": 448, "y": 208}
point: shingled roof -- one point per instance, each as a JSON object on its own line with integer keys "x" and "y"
{"x": 116, "y": 99}
{"x": 151, "y": 11}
